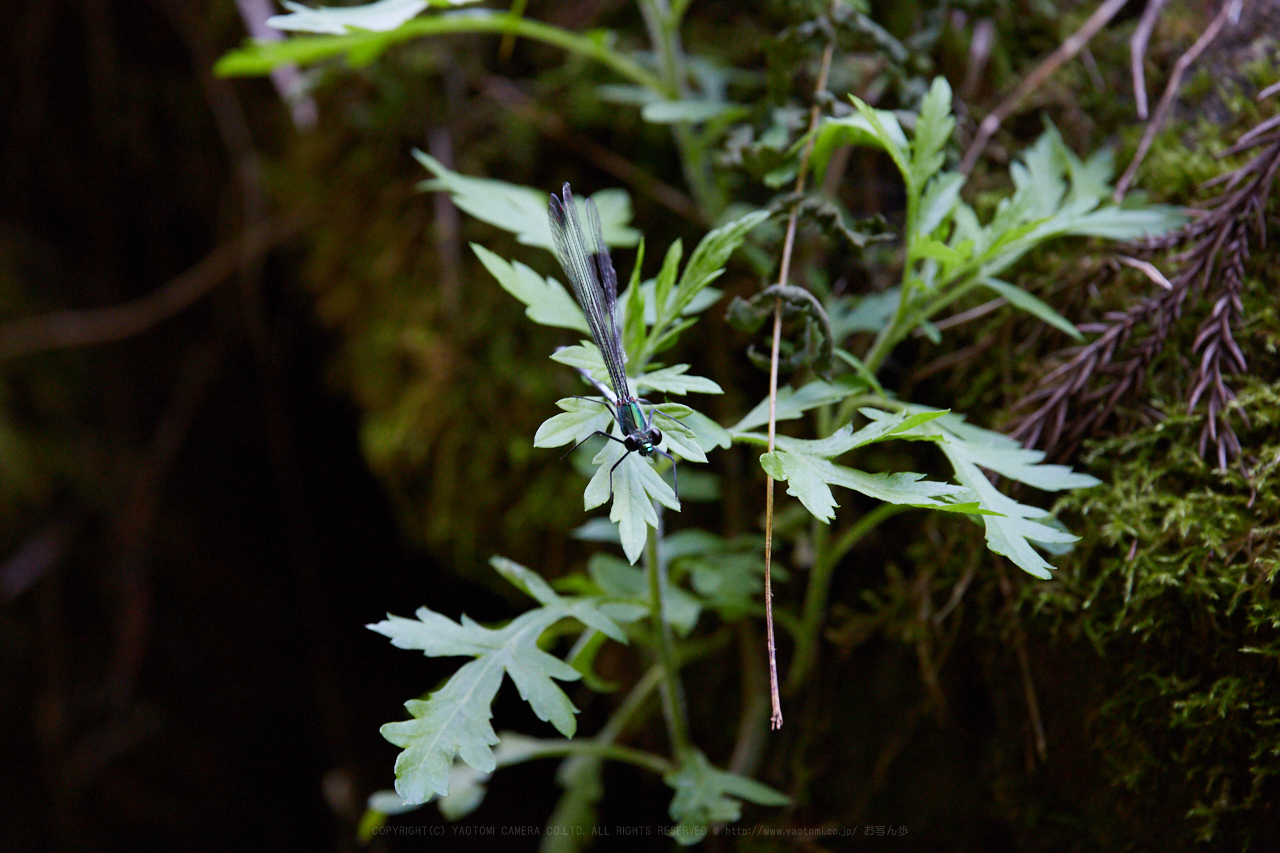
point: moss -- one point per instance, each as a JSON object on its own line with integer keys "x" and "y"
{"x": 1174, "y": 591}
{"x": 1153, "y": 653}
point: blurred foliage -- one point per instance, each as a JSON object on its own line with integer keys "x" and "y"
{"x": 434, "y": 371}
{"x": 1152, "y": 653}
{"x": 434, "y": 355}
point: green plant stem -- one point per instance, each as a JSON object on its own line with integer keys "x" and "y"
{"x": 663, "y": 23}
{"x": 942, "y": 300}
{"x": 260, "y": 58}
{"x": 844, "y": 414}
{"x": 815, "y": 599}
{"x": 664, "y": 32}
{"x": 594, "y": 749}
{"x": 892, "y": 333}
{"x": 580, "y": 762}
{"x": 630, "y": 705}
{"x": 664, "y": 645}
{"x": 906, "y": 318}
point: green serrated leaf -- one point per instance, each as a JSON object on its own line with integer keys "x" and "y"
{"x": 888, "y": 134}
{"x": 665, "y": 341}
{"x": 680, "y": 439}
{"x": 1115, "y": 223}
{"x": 809, "y": 478}
{"x": 729, "y": 581}
{"x": 523, "y": 210}
{"x": 585, "y": 356}
{"x": 546, "y": 299}
{"x": 1019, "y": 298}
{"x": 791, "y": 404}
{"x": 1011, "y": 527}
{"x": 454, "y": 720}
{"x": 710, "y": 434}
{"x": 635, "y": 486}
{"x": 940, "y": 198}
{"x": 633, "y": 330}
{"x": 617, "y": 579}
{"x": 898, "y": 425}
{"x": 927, "y": 247}
{"x": 579, "y": 420}
{"x": 706, "y": 297}
{"x": 666, "y": 279}
{"x": 707, "y": 262}
{"x": 705, "y": 795}
{"x": 673, "y": 380}
{"x": 588, "y": 611}
{"x": 853, "y": 130}
{"x": 691, "y": 111}
{"x": 379, "y": 17}
{"x": 933, "y": 129}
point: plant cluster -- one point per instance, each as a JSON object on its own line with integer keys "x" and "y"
{"x": 1074, "y": 399}
{"x": 691, "y": 584}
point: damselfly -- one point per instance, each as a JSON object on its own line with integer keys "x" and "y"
{"x": 595, "y": 284}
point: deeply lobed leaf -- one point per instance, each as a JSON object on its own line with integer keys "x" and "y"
{"x": 453, "y": 722}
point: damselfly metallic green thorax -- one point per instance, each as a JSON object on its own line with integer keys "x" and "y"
{"x": 585, "y": 258}
{"x": 639, "y": 432}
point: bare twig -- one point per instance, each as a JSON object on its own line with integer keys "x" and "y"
{"x": 100, "y": 325}
{"x": 965, "y": 316}
{"x": 1069, "y": 48}
{"x": 1138, "y": 51}
{"x": 958, "y": 591}
{"x": 984, "y": 36}
{"x": 1148, "y": 269}
{"x": 1230, "y": 11}
{"x": 507, "y": 94}
{"x": 289, "y": 83}
{"x": 137, "y": 519}
{"x": 784, "y": 272}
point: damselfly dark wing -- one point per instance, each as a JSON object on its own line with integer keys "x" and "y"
{"x": 594, "y": 281}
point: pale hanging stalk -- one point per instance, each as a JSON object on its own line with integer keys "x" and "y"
{"x": 788, "y": 243}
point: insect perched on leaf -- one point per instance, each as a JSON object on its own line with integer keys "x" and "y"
{"x": 595, "y": 284}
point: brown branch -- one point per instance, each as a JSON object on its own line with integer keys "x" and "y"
{"x": 1077, "y": 396}
{"x": 1230, "y": 10}
{"x": 1138, "y": 51}
{"x": 1069, "y": 48}
{"x": 506, "y": 93}
{"x": 101, "y": 325}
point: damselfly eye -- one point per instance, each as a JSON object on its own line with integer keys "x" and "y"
{"x": 655, "y": 436}
{"x": 631, "y": 443}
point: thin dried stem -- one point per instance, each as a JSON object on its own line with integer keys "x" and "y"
{"x": 1138, "y": 51}
{"x": 1024, "y": 664}
{"x": 509, "y": 95}
{"x": 1230, "y": 11}
{"x": 784, "y": 272}
{"x": 61, "y": 329}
